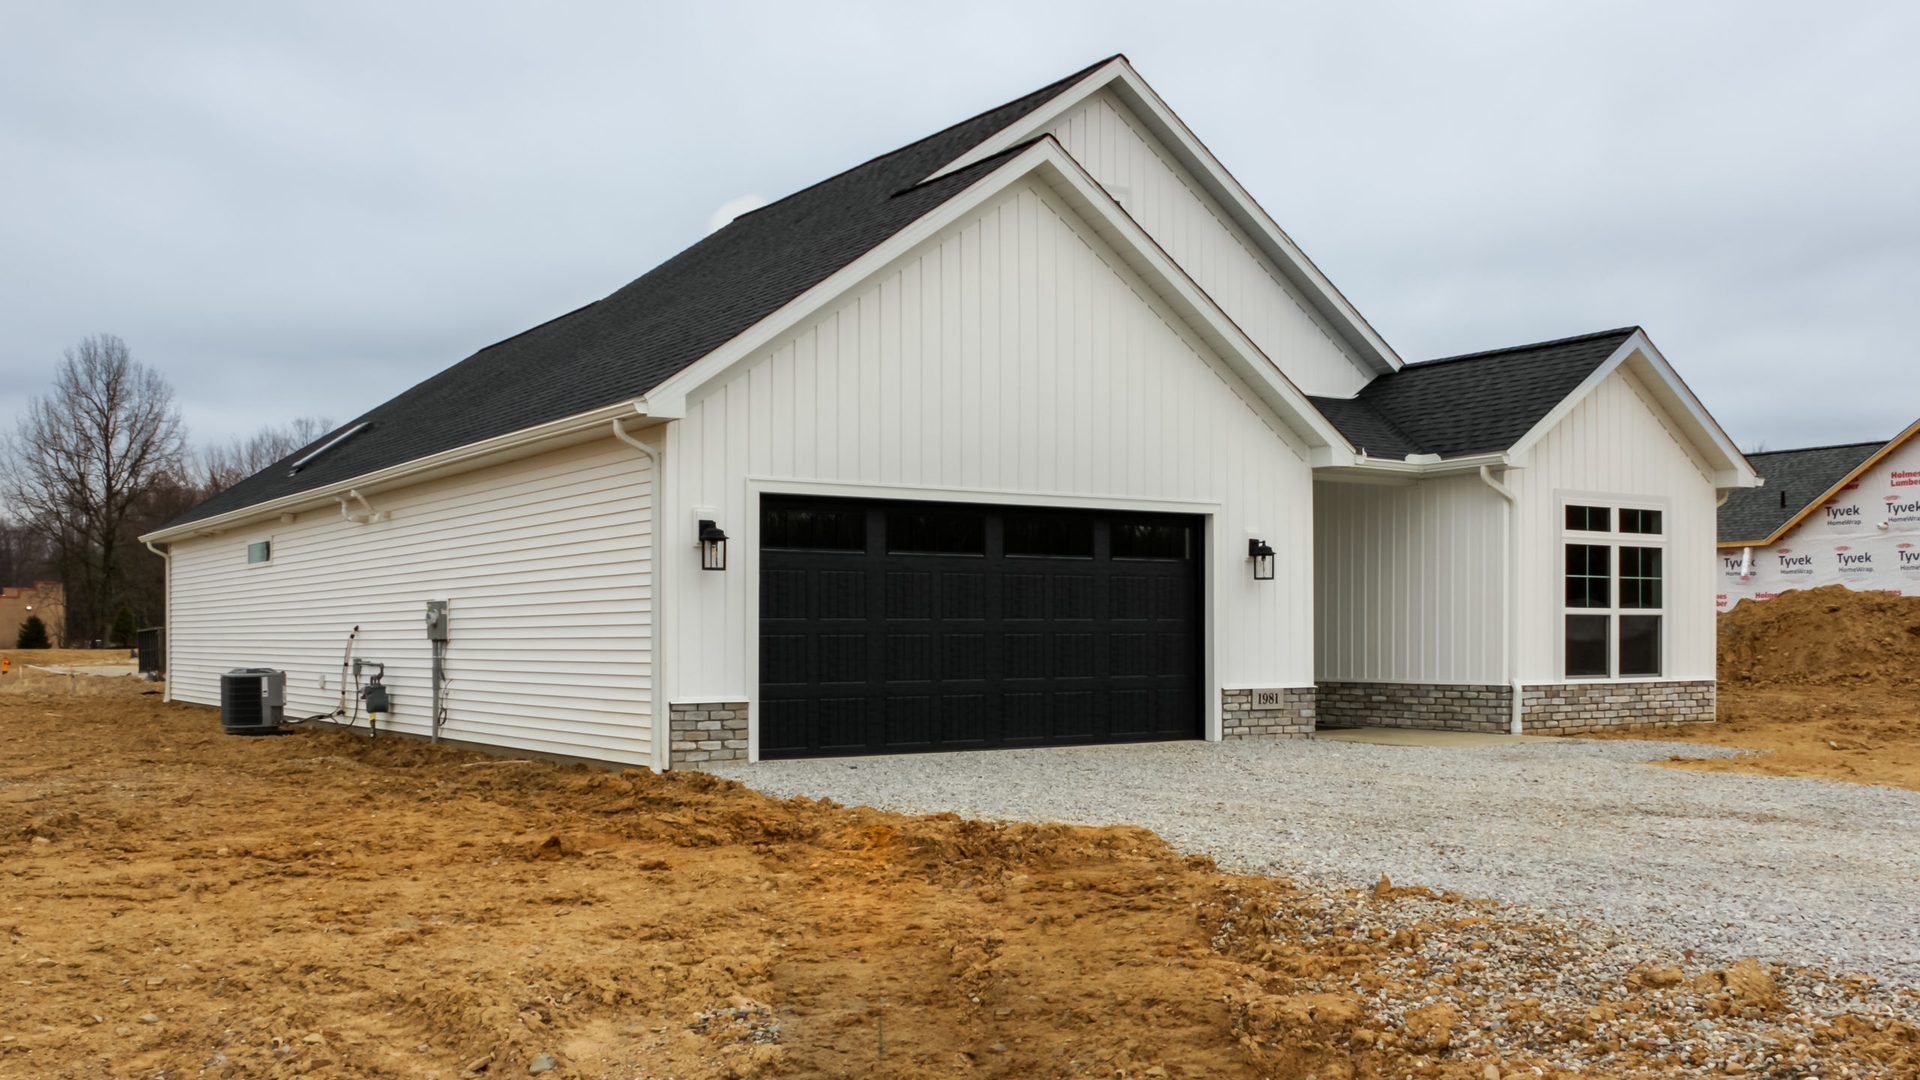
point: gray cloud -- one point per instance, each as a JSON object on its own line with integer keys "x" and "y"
{"x": 293, "y": 209}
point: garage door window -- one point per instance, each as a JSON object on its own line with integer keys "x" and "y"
{"x": 936, "y": 533}
{"x": 1032, "y": 536}
{"x": 813, "y": 530}
{"x": 1141, "y": 540}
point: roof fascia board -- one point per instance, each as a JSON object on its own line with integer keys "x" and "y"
{"x": 1058, "y": 170}
{"x": 1729, "y": 468}
{"x": 501, "y": 448}
{"x": 1119, "y": 76}
{"x": 1838, "y": 486}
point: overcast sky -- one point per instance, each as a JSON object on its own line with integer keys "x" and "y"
{"x": 305, "y": 208}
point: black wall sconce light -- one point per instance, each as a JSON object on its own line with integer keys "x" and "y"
{"x": 713, "y": 546}
{"x": 1261, "y": 553}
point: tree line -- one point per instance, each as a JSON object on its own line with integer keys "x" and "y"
{"x": 100, "y": 459}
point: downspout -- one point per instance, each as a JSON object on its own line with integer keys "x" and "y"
{"x": 661, "y": 724}
{"x": 1510, "y": 587}
{"x": 166, "y": 621}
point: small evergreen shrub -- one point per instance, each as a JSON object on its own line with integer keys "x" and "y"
{"x": 33, "y": 635}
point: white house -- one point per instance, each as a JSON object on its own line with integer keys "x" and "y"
{"x": 1829, "y": 515}
{"x": 1038, "y": 431}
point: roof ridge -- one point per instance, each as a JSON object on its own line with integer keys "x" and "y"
{"x": 1523, "y": 348}
{"x": 1082, "y": 73}
{"x": 1828, "y": 446}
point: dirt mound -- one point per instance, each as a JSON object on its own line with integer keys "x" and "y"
{"x": 1825, "y": 636}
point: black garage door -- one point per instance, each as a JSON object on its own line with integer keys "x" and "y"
{"x": 891, "y": 628}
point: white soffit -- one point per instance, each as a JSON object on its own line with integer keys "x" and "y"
{"x": 1118, "y": 76}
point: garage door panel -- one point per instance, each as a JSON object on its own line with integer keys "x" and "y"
{"x": 890, "y": 628}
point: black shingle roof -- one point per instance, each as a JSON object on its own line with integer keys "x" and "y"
{"x": 619, "y": 348}
{"x": 1795, "y": 479}
{"x": 1474, "y": 404}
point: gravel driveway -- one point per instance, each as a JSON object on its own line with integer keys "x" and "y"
{"x": 1797, "y": 871}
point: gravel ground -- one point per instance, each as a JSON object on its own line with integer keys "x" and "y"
{"x": 1797, "y": 872}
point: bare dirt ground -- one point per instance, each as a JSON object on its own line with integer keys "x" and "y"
{"x": 183, "y": 903}
{"x": 1825, "y": 683}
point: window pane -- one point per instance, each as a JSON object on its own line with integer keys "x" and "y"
{"x": 1587, "y": 575}
{"x": 813, "y": 530}
{"x": 1150, "y": 541}
{"x": 1645, "y": 522}
{"x": 1639, "y": 644}
{"x": 1055, "y": 537}
{"x": 1587, "y": 646}
{"x": 1639, "y": 577}
{"x": 260, "y": 552}
{"x": 936, "y": 533}
{"x": 1590, "y": 518}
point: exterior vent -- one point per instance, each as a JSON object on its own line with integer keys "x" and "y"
{"x": 252, "y": 701}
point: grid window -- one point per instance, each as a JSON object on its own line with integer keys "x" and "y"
{"x": 1644, "y": 522}
{"x": 1590, "y": 518}
{"x": 1640, "y": 577}
{"x": 1615, "y": 591}
{"x": 1589, "y": 575}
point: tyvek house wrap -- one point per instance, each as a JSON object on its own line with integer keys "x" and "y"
{"x": 1866, "y": 537}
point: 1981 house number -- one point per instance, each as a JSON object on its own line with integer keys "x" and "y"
{"x": 1266, "y": 697}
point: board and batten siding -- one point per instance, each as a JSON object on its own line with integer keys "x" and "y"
{"x": 1106, "y": 138}
{"x": 545, "y": 561}
{"x": 1613, "y": 444}
{"x": 1013, "y": 358}
{"x": 1408, "y": 581}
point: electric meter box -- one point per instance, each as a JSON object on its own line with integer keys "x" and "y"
{"x": 436, "y": 620}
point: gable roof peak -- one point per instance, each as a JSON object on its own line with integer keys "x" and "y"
{"x": 1620, "y": 332}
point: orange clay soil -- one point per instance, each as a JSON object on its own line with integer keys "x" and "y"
{"x": 1825, "y": 681}
{"x": 183, "y": 903}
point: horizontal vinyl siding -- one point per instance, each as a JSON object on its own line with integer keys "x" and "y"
{"x": 546, "y": 563}
{"x": 1106, "y": 139}
{"x": 1010, "y": 355}
{"x": 1612, "y": 443}
{"x": 1407, "y": 582}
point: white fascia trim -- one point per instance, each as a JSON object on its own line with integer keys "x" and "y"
{"x": 446, "y": 463}
{"x": 1730, "y": 468}
{"x": 1133, "y": 91}
{"x": 1053, "y": 166}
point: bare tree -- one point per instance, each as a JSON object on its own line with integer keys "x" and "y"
{"x": 220, "y": 467}
{"x": 25, "y": 556}
{"x": 85, "y": 458}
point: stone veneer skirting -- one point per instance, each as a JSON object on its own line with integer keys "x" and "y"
{"x": 703, "y": 732}
{"x": 1549, "y": 709}
{"x": 1290, "y": 718}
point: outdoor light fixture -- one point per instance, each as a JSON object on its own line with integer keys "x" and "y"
{"x": 713, "y": 546}
{"x": 1262, "y": 555}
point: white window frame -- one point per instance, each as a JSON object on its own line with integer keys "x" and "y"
{"x": 1613, "y": 539}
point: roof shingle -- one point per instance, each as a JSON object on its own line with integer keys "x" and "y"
{"x": 1474, "y": 404}
{"x": 620, "y": 347}
{"x": 1795, "y": 480}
